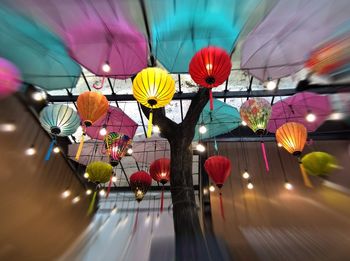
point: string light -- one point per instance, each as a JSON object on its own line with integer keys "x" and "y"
{"x": 30, "y": 151}
{"x": 56, "y": 149}
{"x": 39, "y": 96}
{"x": 288, "y": 185}
{"x": 88, "y": 192}
{"x": 205, "y": 191}
{"x": 271, "y": 85}
{"x": 202, "y": 129}
{"x": 211, "y": 188}
{"x": 129, "y": 151}
{"x": 244, "y": 123}
{"x": 102, "y": 192}
{"x": 250, "y": 185}
{"x": 7, "y": 127}
{"x": 76, "y": 200}
{"x": 103, "y": 131}
{"x": 310, "y": 117}
{"x": 106, "y": 67}
{"x": 66, "y": 193}
{"x": 86, "y": 175}
{"x": 245, "y": 175}
{"x": 200, "y": 147}
{"x": 279, "y": 144}
{"x": 114, "y": 179}
{"x": 156, "y": 129}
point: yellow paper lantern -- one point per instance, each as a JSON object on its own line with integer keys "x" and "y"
{"x": 292, "y": 136}
{"x": 153, "y": 88}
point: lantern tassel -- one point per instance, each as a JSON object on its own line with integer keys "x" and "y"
{"x": 109, "y": 187}
{"x": 222, "y": 206}
{"x": 306, "y": 179}
{"x": 136, "y": 219}
{"x": 162, "y": 200}
{"x": 49, "y": 151}
{"x": 265, "y": 157}
{"x": 99, "y": 87}
{"x": 92, "y": 203}
{"x": 77, "y": 156}
{"x": 211, "y": 100}
{"x": 149, "y": 129}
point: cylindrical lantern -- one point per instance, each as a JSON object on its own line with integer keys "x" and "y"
{"x": 153, "y": 88}
{"x": 91, "y": 107}
{"x": 319, "y": 163}
{"x": 292, "y": 136}
{"x": 160, "y": 172}
{"x": 140, "y": 182}
{"x": 117, "y": 145}
{"x": 210, "y": 67}
{"x": 99, "y": 172}
{"x": 10, "y": 78}
{"x": 256, "y": 114}
{"x": 58, "y": 120}
{"x": 218, "y": 169}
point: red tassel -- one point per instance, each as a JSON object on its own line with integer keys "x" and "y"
{"x": 109, "y": 186}
{"x": 221, "y": 206}
{"x": 265, "y": 157}
{"x": 211, "y": 100}
{"x": 161, "y": 200}
{"x": 136, "y": 219}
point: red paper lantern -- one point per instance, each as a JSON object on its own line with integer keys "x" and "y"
{"x": 218, "y": 169}
{"x": 210, "y": 67}
{"x": 160, "y": 172}
{"x": 140, "y": 182}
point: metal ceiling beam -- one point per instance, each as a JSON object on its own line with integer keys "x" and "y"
{"x": 86, "y": 81}
{"x": 325, "y": 89}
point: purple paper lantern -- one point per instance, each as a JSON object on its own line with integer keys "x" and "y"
{"x": 9, "y": 78}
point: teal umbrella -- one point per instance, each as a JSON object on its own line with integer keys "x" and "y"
{"x": 38, "y": 53}
{"x": 223, "y": 119}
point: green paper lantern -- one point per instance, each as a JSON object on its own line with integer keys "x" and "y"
{"x": 99, "y": 172}
{"x": 319, "y": 163}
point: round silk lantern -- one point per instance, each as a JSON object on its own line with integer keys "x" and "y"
{"x": 91, "y": 107}
{"x": 209, "y": 68}
{"x": 319, "y": 163}
{"x": 292, "y": 136}
{"x": 58, "y": 120}
{"x": 256, "y": 114}
{"x": 10, "y": 78}
{"x": 153, "y": 88}
{"x": 140, "y": 182}
{"x": 218, "y": 169}
{"x": 160, "y": 172}
{"x": 99, "y": 172}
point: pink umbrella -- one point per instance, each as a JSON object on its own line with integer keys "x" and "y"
{"x": 148, "y": 150}
{"x": 295, "y": 109}
{"x": 114, "y": 121}
{"x": 93, "y": 150}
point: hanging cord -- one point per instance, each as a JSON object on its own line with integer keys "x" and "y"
{"x": 282, "y": 166}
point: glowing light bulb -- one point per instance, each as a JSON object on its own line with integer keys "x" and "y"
{"x": 279, "y": 144}
{"x": 7, "y": 127}
{"x": 244, "y": 123}
{"x": 163, "y": 175}
{"x": 76, "y": 200}
{"x": 211, "y": 188}
{"x": 66, "y": 193}
{"x": 205, "y": 191}
{"x": 310, "y": 117}
{"x": 202, "y": 129}
{"x": 129, "y": 151}
{"x": 245, "y": 175}
{"x": 88, "y": 192}
{"x": 200, "y": 147}
{"x": 86, "y": 175}
{"x": 288, "y": 186}
{"x": 103, "y": 131}
{"x": 271, "y": 85}
{"x": 106, "y": 67}
{"x": 114, "y": 179}
{"x": 156, "y": 129}
{"x": 56, "y": 149}
{"x": 30, "y": 151}
{"x": 39, "y": 96}
{"x": 337, "y": 116}
{"x": 102, "y": 192}
{"x": 250, "y": 185}
{"x": 209, "y": 66}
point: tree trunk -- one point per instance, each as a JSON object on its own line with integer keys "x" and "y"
{"x": 190, "y": 243}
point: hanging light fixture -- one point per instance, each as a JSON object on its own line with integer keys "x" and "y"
{"x": 250, "y": 185}
{"x": 103, "y": 131}
{"x": 88, "y": 192}
{"x": 310, "y": 117}
{"x": 271, "y": 85}
{"x": 245, "y": 175}
{"x": 117, "y": 145}
{"x": 153, "y": 88}
{"x": 211, "y": 188}
{"x": 209, "y": 68}
{"x": 75, "y": 199}
{"x": 293, "y": 137}
{"x": 218, "y": 169}
{"x": 30, "y": 151}
{"x": 160, "y": 172}
{"x": 56, "y": 149}
{"x": 86, "y": 175}
{"x": 129, "y": 151}
{"x": 202, "y": 129}
{"x": 288, "y": 185}
{"x": 200, "y": 147}
{"x": 140, "y": 182}
{"x": 66, "y": 193}
{"x": 106, "y": 67}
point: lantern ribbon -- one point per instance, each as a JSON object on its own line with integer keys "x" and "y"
{"x": 265, "y": 157}
{"x": 109, "y": 186}
{"x": 92, "y": 203}
{"x": 221, "y": 206}
{"x": 49, "y": 151}
{"x": 149, "y": 129}
{"x": 211, "y": 99}
{"x": 77, "y": 156}
{"x": 306, "y": 179}
{"x": 99, "y": 87}
{"x": 162, "y": 200}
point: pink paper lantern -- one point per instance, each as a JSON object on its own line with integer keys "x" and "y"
{"x": 10, "y": 79}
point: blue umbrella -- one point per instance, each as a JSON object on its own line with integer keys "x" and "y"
{"x": 223, "y": 119}
{"x": 38, "y": 53}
